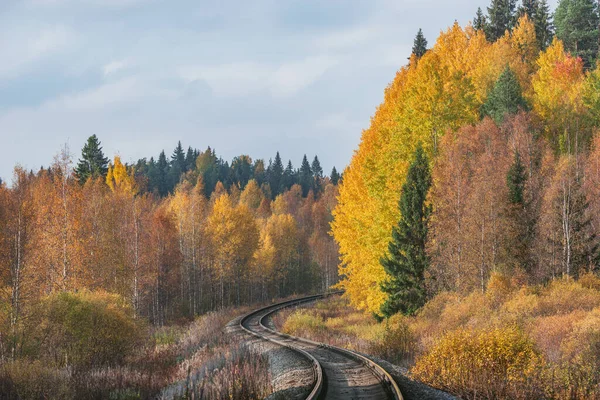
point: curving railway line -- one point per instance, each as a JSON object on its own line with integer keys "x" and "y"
{"x": 337, "y": 373}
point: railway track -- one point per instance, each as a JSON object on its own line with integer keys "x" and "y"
{"x": 337, "y": 373}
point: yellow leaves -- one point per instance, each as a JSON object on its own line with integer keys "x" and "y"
{"x": 494, "y": 362}
{"x": 558, "y": 92}
{"x": 118, "y": 179}
{"x": 234, "y": 235}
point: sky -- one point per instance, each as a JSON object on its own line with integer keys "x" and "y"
{"x": 244, "y": 77}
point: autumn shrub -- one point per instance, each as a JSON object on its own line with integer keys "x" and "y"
{"x": 494, "y": 363}
{"x": 87, "y": 329}
{"x": 304, "y": 323}
{"x": 397, "y": 343}
{"x": 590, "y": 280}
{"x": 24, "y": 379}
{"x": 565, "y": 295}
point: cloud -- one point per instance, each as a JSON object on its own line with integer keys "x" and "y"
{"x": 245, "y": 78}
{"x": 111, "y": 95}
{"x": 115, "y": 66}
{"x": 95, "y": 3}
{"x": 292, "y": 77}
{"x": 24, "y": 48}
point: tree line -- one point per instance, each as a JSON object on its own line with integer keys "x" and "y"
{"x": 161, "y": 176}
{"x": 97, "y": 226}
{"x": 505, "y": 180}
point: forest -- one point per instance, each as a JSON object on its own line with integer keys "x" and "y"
{"x": 156, "y": 243}
{"x": 473, "y": 199}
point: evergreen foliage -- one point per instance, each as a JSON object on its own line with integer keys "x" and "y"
{"x": 317, "y": 172}
{"x": 516, "y": 179}
{"x": 335, "y": 176}
{"x": 542, "y": 19}
{"x": 407, "y": 260}
{"x": 480, "y": 20}
{"x": 576, "y": 24}
{"x": 305, "y": 176}
{"x": 275, "y": 173}
{"x": 93, "y": 163}
{"x": 502, "y": 17}
{"x": 420, "y": 44}
{"x": 505, "y": 98}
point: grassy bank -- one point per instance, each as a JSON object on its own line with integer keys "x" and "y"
{"x": 511, "y": 341}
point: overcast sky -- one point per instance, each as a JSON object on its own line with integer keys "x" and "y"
{"x": 245, "y": 77}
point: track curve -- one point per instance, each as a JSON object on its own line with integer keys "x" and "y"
{"x": 337, "y": 373}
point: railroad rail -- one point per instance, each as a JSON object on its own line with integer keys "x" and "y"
{"x": 337, "y": 373}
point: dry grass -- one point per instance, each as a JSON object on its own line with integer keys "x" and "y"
{"x": 198, "y": 357}
{"x": 553, "y": 334}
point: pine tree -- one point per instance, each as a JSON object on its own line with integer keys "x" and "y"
{"x": 407, "y": 260}
{"x": 529, "y": 8}
{"x": 92, "y": 162}
{"x": 190, "y": 159}
{"x": 317, "y": 174}
{"x": 505, "y": 97}
{"x": 576, "y": 24}
{"x": 305, "y": 176}
{"x": 275, "y": 173}
{"x": 289, "y": 176}
{"x": 544, "y": 30}
{"x": 515, "y": 180}
{"x": 177, "y": 167}
{"x": 502, "y": 17}
{"x": 420, "y": 44}
{"x": 162, "y": 174}
{"x": 335, "y": 176}
{"x": 522, "y": 222}
{"x": 480, "y": 20}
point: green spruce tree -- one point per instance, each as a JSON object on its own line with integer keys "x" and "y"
{"x": 419, "y": 45}
{"x": 521, "y": 228}
{"x": 544, "y": 30}
{"x": 335, "y": 176}
{"x": 576, "y": 24}
{"x": 317, "y": 171}
{"x": 275, "y": 174}
{"x": 529, "y": 8}
{"x": 505, "y": 98}
{"x": 502, "y": 17}
{"x": 92, "y": 164}
{"x": 480, "y": 20}
{"x": 305, "y": 176}
{"x": 407, "y": 260}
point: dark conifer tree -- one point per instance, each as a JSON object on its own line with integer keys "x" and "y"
{"x": 502, "y": 17}
{"x": 305, "y": 176}
{"x": 522, "y": 222}
{"x": 505, "y": 97}
{"x": 276, "y": 176}
{"x": 407, "y": 260}
{"x": 529, "y": 8}
{"x": 162, "y": 174}
{"x": 92, "y": 162}
{"x": 317, "y": 171}
{"x": 576, "y": 24}
{"x": 480, "y": 20}
{"x": 335, "y": 176}
{"x": 544, "y": 30}
{"x": 190, "y": 160}
{"x": 289, "y": 176}
{"x": 419, "y": 45}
